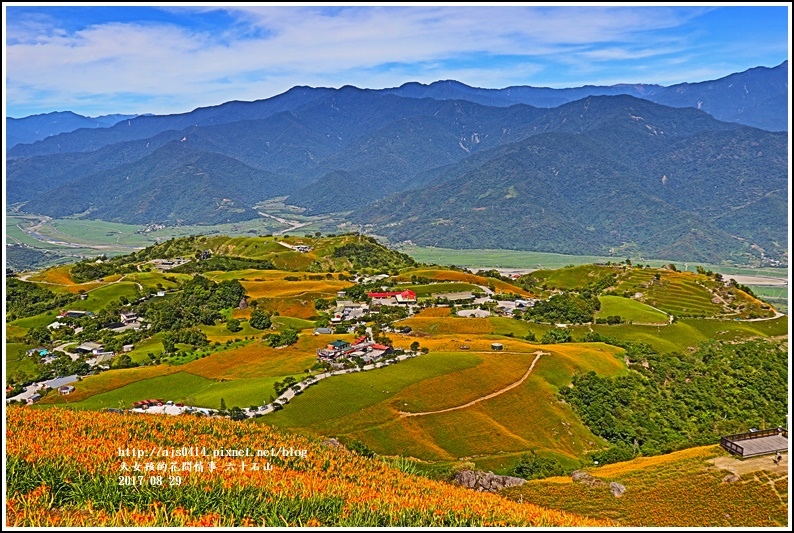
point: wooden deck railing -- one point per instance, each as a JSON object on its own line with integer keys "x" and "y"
{"x": 729, "y": 441}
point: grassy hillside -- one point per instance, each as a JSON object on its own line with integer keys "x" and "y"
{"x": 441, "y": 274}
{"x": 630, "y": 310}
{"x": 244, "y": 373}
{"x": 570, "y": 277}
{"x": 369, "y": 406}
{"x": 74, "y": 480}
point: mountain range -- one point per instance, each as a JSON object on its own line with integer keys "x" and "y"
{"x": 34, "y": 128}
{"x": 594, "y": 170}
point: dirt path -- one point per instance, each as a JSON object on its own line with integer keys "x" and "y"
{"x": 492, "y": 395}
{"x": 754, "y": 464}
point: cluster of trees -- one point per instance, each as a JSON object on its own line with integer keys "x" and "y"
{"x": 567, "y": 308}
{"x": 193, "y": 336}
{"x": 281, "y": 386}
{"x": 260, "y": 320}
{"x": 200, "y": 302}
{"x": 24, "y": 299}
{"x": 554, "y": 336}
{"x": 20, "y": 257}
{"x": 532, "y": 466}
{"x": 611, "y": 320}
{"x": 367, "y": 253}
{"x": 178, "y": 247}
{"x": 224, "y": 263}
{"x": 680, "y": 400}
{"x": 284, "y": 338}
{"x": 100, "y": 267}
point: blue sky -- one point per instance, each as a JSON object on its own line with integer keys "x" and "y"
{"x": 161, "y": 58}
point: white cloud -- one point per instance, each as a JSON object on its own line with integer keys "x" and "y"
{"x": 176, "y": 68}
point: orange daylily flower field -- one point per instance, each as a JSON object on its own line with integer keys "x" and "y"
{"x": 71, "y": 468}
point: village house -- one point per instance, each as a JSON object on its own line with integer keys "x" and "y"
{"x": 348, "y": 310}
{"x": 71, "y": 313}
{"x": 33, "y": 398}
{"x": 89, "y": 347}
{"x": 386, "y": 298}
{"x": 65, "y": 390}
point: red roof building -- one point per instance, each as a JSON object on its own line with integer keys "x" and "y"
{"x": 404, "y": 296}
{"x": 380, "y": 347}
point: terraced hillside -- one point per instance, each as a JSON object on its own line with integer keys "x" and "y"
{"x": 681, "y": 294}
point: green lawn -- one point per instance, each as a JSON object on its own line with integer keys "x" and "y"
{"x": 687, "y": 332}
{"x": 571, "y": 278}
{"x": 153, "y": 344}
{"x": 438, "y": 288}
{"x": 629, "y": 310}
{"x": 287, "y": 321}
{"x": 340, "y": 396}
{"x": 519, "y": 328}
{"x": 220, "y": 333}
{"x": 99, "y": 298}
{"x": 41, "y": 320}
{"x": 186, "y": 388}
{"x": 17, "y": 362}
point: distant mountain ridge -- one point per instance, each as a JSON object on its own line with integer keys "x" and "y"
{"x": 602, "y": 174}
{"x": 757, "y": 97}
{"x": 34, "y": 128}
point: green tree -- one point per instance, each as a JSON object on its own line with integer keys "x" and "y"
{"x": 39, "y": 335}
{"x": 233, "y": 325}
{"x": 288, "y": 337}
{"x": 259, "y": 320}
{"x": 223, "y": 404}
{"x": 532, "y": 466}
{"x": 236, "y": 413}
{"x": 556, "y": 335}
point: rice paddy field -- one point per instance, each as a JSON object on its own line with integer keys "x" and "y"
{"x": 489, "y": 258}
{"x": 777, "y": 296}
{"x": 681, "y": 489}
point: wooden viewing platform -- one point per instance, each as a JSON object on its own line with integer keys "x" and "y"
{"x": 756, "y": 442}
